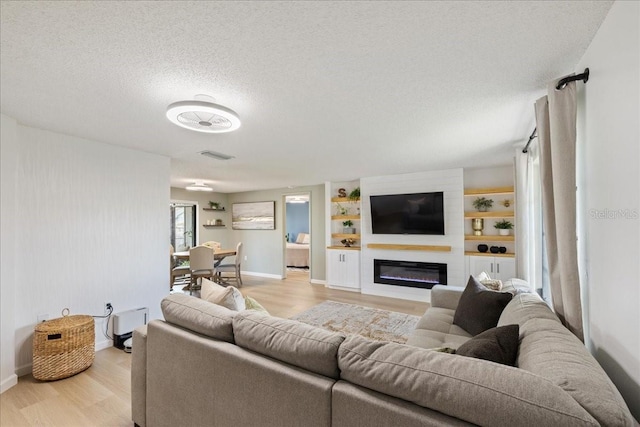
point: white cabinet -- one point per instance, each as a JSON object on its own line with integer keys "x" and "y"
{"x": 503, "y": 268}
{"x": 343, "y": 268}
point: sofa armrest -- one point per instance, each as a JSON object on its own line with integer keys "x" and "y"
{"x": 139, "y": 376}
{"x": 446, "y": 296}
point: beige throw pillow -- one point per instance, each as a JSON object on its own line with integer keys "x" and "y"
{"x": 252, "y": 304}
{"x": 229, "y": 297}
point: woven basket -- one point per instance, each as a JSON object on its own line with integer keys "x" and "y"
{"x": 63, "y": 347}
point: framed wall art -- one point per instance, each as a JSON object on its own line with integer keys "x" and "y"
{"x": 253, "y": 216}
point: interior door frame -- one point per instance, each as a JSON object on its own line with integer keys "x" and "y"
{"x": 284, "y": 230}
{"x": 194, "y": 203}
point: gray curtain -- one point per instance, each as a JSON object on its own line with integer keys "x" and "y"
{"x": 556, "y": 122}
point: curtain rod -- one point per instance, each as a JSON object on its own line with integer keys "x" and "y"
{"x": 562, "y": 83}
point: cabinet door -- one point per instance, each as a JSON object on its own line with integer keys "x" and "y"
{"x": 343, "y": 268}
{"x": 335, "y": 269}
{"x": 505, "y": 268}
{"x": 478, "y": 264}
{"x": 351, "y": 263}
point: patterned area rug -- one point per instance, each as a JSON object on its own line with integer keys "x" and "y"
{"x": 372, "y": 323}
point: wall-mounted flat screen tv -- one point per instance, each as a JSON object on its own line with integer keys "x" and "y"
{"x": 417, "y": 213}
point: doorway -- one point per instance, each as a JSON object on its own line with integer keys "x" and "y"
{"x": 297, "y": 236}
{"x": 183, "y": 225}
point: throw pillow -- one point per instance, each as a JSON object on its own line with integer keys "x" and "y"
{"x": 493, "y": 284}
{"x": 479, "y": 308}
{"x": 499, "y": 344}
{"x": 210, "y": 290}
{"x": 252, "y": 304}
{"x": 229, "y": 297}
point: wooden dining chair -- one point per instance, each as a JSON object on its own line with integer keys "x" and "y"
{"x": 175, "y": 271}
{"x": 201, "y": 259}
{"x": 232, "y": 269}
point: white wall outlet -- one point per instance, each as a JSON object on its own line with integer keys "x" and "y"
{"x": 43, "y": 318}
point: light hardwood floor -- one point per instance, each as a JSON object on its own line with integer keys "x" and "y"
{"x": 101, "y": 395}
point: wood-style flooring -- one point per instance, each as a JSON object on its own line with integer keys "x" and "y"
{"x": 101, "y": 395}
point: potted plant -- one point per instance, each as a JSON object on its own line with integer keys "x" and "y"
{"x": 482, "y": 204}
{"x": 348, "y": 227}
{"x": 214, "y": 205}
{"x": 341, "y": 209}
{"x": 355, "y": 194}
{"x": 503, "y": 227}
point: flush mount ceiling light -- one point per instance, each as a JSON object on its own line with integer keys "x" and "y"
{"x": 203, "y": 116}
{"x": 199, "y": 186}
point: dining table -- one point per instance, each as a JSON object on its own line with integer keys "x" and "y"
{"x": 218, "y": 255}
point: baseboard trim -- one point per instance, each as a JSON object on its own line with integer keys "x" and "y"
{"x": 319, "y": 282}
{"x": 267, "y": 275}
{"x": 8, "y": 383}
{"x": 24, "y": 370}
{"x": 103, "y": 344}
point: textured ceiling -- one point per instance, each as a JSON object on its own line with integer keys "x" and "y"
{"x": 325, "y": 90}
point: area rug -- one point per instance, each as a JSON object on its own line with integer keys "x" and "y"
{"x": 372, "y": 323}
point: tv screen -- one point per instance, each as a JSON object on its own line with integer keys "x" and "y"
{"x": 417, "y": 213}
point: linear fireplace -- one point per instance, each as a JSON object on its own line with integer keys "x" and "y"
{"x": 409, "y": 273}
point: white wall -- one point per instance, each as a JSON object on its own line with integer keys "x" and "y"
{"x": 451, "y": 183}
{"x": 202, "y": 198}
{"x": 609, "y": 197}
{"x": 264, "y": 249}
{"x": 8, "y": 155}
{"x": 91, "y": 227}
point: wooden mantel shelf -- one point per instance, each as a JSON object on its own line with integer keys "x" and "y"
{"x": 395, "y": 247}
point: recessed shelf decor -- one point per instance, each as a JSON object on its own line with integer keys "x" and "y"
{"x": 507, "y": 255}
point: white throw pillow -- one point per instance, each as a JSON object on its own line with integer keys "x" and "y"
{"x": 306, "y": 239}
{"x": 229, "y": 297}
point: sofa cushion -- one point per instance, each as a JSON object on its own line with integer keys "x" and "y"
{"x": 296, "y": 343}
{"x": 523, "y": 307}
{"x": 550, "y": 350}
{"x": 479, "y": 308}
{"x": 445, "y": 296}
{"x": 436, "y": 329}
{"x": 499, "y": 344}
{"x": 473, "y": 390}
{"x": 198, "y": 315}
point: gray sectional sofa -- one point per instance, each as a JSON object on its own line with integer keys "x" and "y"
{"x": 205, "y": 365}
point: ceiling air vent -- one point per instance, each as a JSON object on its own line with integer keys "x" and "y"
{"x": 217, "y": 156}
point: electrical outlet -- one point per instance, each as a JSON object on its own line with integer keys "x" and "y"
{"x": 43, "y": 318}
{"x": 107, "y": 308}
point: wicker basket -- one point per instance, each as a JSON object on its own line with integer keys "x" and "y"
{"x": 63, "y": 347}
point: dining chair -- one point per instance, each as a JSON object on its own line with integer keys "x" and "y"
{"x": 233, "y": 269}
{"x": 201, "y": 259}
{"x": 175, "y": 270}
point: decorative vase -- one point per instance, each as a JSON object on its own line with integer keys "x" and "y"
{"x": 349, "y": 230}
{"x": 483, "y": 248}
{"x": 477, "y": 224}
{"x": 494, "y": 249}
{"x": 502, "y": 250}
{"x": 504, "y": 231}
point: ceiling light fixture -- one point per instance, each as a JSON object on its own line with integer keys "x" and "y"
{"x": 216, "y": 155}
{"x": 198, "y": 186}
{"x": 203, "y": 116}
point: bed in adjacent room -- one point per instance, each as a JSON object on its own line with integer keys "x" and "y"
{"x": 297, "y": 254}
